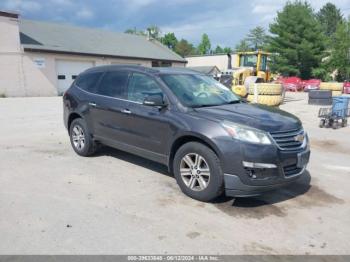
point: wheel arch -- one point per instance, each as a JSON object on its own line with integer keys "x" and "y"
{"x": 184, "y": 139}
{"x": 71, "y": 118}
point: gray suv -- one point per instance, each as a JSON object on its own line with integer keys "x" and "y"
{"x": 207, "y": 137}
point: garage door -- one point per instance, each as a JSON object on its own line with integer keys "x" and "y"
{"x": 67, "y": 71}
{"x": 122, "y": 63}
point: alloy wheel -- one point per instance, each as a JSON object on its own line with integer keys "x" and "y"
{"x": 195, "y": 172}
{"x": 78, "y": 137}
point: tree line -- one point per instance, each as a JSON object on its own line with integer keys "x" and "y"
{"x": 183, "y": 47}
{"x": 303, "y": 42}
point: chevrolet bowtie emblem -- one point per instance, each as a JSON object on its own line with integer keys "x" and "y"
{"x": 299, "y": 138}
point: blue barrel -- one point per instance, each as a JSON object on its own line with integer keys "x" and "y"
{"x": 340, "y": 106}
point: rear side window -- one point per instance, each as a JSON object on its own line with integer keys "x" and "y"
{"x": 114, "y": 84}
{"x": 89, "y": 81}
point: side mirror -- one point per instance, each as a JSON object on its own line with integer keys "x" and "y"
{"x": 155, "y": 100}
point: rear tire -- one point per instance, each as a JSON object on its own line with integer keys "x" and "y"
{"x": 266, "y": 89}
{"x": 334, "y": 86}
{"x": 269, "y": 100}
{"x": 204, "y": 182}
{"x": 81, "y": 139}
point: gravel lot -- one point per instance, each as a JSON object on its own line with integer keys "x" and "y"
{"x": 55, "y": 202}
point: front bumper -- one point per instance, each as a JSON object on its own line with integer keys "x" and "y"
{"x": 236, "y": 188}
{"x": 251, "y": 170}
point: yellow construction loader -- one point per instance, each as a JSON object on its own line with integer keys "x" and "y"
{"x": 257, "y": 61}
{"x": 250, "y": 78}
{"x": 247, "y": 64}
{"x": 250, "y": 67}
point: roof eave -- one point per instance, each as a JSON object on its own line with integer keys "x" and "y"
{"x": 41, "y": 50}
{"x": 9, "y": 14}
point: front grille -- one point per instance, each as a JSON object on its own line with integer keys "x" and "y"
{"x": 286, "y": 140}
{"x": 291, "y": 170}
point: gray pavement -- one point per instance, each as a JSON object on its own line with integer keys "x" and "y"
{"x": 55, "y": 202}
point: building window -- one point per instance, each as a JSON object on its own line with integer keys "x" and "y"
{"x": 166, "y": 64}
{"x": 155, "y": 64}
{"x": 74, "y": 77}
{"x": 161, "y": 64}
{"x": 61, "y": 77}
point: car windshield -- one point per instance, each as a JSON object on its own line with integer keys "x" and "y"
{"x": 199, "y": 90}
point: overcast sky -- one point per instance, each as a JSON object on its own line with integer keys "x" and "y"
{"x": 225, "y": 21}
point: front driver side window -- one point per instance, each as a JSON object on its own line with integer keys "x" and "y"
{"x": 141, "y": 86}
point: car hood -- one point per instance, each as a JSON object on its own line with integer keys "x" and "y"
{"x": 261, "y": 117}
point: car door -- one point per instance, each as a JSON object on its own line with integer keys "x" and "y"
{"x": 109, "y": 108}
{"x": 150, "y": 126}
{"x": 87, "y": 82}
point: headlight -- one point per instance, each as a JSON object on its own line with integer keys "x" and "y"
{"x": 246, "y": 133}
{"x": 307, "y": 141}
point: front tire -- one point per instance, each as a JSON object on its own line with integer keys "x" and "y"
{"x": 80, "y": 138}
{"x": 198, "y": 172}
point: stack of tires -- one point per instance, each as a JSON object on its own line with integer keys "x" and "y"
{"x": 320, "y": 97}
{"x": 346, "y": 88}
{"x": 267, "y": 94}
{"x": 335, "y": 87}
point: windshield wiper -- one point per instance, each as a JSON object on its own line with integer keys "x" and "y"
{"x": 230, "y": 103}
{"x": 198, "y": 106}
{"x": 233, "y": 102}
{"x": 212, "y": 105}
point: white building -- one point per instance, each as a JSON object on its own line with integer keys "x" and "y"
{"x": 220, "y": 61}
{"x": 43, "y": 59}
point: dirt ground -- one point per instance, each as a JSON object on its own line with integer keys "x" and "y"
{"x": 55, "y": 202}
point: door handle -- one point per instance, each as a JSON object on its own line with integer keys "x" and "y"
{"x": 126, "y": 111}
{"x": 92, "y": 104}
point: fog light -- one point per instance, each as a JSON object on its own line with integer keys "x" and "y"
{"x": 251, "y": 174}
{"x": 258, "y": 165}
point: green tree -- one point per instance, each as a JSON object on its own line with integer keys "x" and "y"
{"x": 227, "y": 50}
{"x": 184, "y": 48}
{"x": 243, "y": 46}
{"x": 130, "y": 31}
{"x": 204, "y": 46}
{"x": 256, "y": 38}
{"x": 340, "y": 54}
{"x": 169, "y": 40}
{"x": 218, "y": 50}
{"x": 154, "y": 32}
{"x": 329, "y": 17}
{"x": 134, "y": 31}
{"x": 297, "y": 41}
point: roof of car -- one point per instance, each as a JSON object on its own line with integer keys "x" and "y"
{"x": 137, "y": 68}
